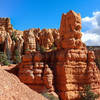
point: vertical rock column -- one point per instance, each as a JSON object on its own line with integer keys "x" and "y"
{"x": 29, "y": 41}
{"x": 93, "y": 74}
{"x": 72, "y": 71}
{"x": 5, "y": 22}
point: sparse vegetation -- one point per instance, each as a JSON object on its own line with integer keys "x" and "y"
{"x": 17, "y": 57}
{"x": 49, "y": 96}
{"x": 8, "y": 53}
{"x": 13, "y": 37}
{"x": 4, "y": 59}
{"x": 42, "y": 49}
{"x": 38, "y": 47}
{"x": 87, "y": 94}
{"x": 27, "y": 50}
{"x": 90, "y": 48}
{"x": 53, "y": 47}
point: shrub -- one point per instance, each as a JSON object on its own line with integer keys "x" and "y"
{"x": 13, "y": 37}
{"x": 87, "y": 94}
{"x": 53, "y": 47}
{"x": 49, "y": 96}
{"x": 8, "y": 53}
{"x": 42, "y": 49}
{"x": 37, "y": 47}
{"x": 90, "y": 48}
{"x": 4, "y": 59}
{"x": 27, "y": 50}
{"x": 17, "y": 58}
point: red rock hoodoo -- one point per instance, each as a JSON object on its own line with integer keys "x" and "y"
{"x": 53, "y": 60}
{"x": 5, "y": 22}
{"x": 75, "y": 66}
{"x": 72, "y": 64}
{"x": 35, "y": 72}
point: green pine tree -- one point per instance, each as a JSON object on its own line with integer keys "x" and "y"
{"x": 8, "y": 53}
{"x": 17, "y": 57}
{"x": 42, "y": 49}
{"x": 53, "y": 47}
{"x": 4, "y": 59}
{"x": 87, "y": 94}
{"x": 13, "y": 37}
{"x": 49, "y": 96}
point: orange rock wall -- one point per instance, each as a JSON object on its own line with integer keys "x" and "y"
{"x": 64, "y": 70}
{"x": 34, "y": 72}
{"x": 5, "y": 22}
{"x": 68, "y": 68}
{"x": 75, "y": 66}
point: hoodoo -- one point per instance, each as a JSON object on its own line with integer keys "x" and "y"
{"x": 75, "y": 66}
{"x": 54, "y": 61}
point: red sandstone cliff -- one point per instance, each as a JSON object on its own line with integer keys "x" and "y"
{"x": 64, "y": 70}
{"x": 75, "y": 66}
{"x": 34, "y": 72}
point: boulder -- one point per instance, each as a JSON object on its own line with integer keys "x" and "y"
{"x": 12, "y": 89}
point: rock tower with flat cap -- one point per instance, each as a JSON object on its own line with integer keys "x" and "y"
{"x": 75, "y": 66}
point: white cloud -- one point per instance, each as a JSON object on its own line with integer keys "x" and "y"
{"x": 91, "y": 39}
{"x": 91, "y": 25}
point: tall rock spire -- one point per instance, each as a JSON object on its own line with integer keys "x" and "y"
{"x": 70, "y": 30}
{"x": 75, "y": 66}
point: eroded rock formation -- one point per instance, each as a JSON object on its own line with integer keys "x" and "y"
{"x": 5, "y": 22}
{"x": 34, "y": 72}
{"x": 64, "y": 70}
{"x": 29, "y": 40}
{"x": 75, "y": 66}
{"x": 46, "y": 38}
{"x": 5, "y": 40}
{"x": 12, "y": 89}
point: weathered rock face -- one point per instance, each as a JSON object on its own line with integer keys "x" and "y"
{"x": 47, "y": 38}
{"x": 70, "y": 31}
{"x": 12, "y": 89}
{"x": 64, "y": 70}
{"x": 35, "y": 38}
{"x": 75, "y": 66}
{"x": 19, "y": 41}
{"x": 5, "y": 40}
{"x": 34, "y": 72}
{"x": 29, "y": 40}
{"x": 96, "y": 50}
{"x": 2, "y": 34}
{"x": 5, "y": 31}
{"x": 5, "y": 22}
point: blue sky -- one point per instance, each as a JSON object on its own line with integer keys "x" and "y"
{"x": 41, "y": 14}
